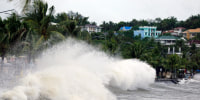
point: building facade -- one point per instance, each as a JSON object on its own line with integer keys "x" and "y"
{"x": 147, "y": 31}
{"x": 91, "y": 28}
{"x": 176, "y": 31}
{"x": 179, "y": 30}
{"x": 190, "y": 33}
{"x": 167, "y": 40}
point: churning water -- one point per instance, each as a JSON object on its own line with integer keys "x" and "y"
{"x": 76, "y": 71}
{"x": 187, "y": 90}
{"x": 73, "y": 70}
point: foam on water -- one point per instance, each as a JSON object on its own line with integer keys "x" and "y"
{"x": 196, "y": 78}
{"x": 74, "y": 70}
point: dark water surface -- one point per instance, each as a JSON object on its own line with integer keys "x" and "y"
{"x": 186, "y": 90}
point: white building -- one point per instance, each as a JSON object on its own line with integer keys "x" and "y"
{"x": 179, "y": 30}
{"x": 167, "y": 40}
{"x": 176, "y": 31}
{"x": 91, "y": 28}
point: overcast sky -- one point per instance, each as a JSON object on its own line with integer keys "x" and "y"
{"x": 121, "y": 10}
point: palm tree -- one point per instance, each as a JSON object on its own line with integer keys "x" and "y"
{"x": 40, "y": 21}
{"x": 68, "y": 23}
{"x": 3, "y": 40}
{"x": 174, "y": 62}
{"x": 41, "y": 33}
{"x": 38, "y": 18}
{"x": 137, "y": 49}
{"x": 111, "y": 45}
{"x": 71, "y": 27}
{"x": 11, "y": 32}
{"x": 25, "y": 3}
{"x": 61, "y": 17}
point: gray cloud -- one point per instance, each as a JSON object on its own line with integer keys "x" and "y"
{"x": 126, "y": 10}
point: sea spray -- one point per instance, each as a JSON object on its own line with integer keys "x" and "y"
{"x": 74, "y": 70}
{"x": 197, "y": 77}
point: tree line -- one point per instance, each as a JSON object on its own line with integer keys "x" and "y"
{"x": 162, "y": 24}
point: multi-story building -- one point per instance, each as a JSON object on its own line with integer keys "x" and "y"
{"x": 167, "y": 40}
{"x": 176, "y": 31}
{"x": 179, "y": 30}
{"x": 190, "y": 33}
{"x": 91, "y": 28}
{"x": 147, "y": 31}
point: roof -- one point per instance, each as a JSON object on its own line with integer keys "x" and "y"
{"x": 167, "y": 38}
{"x": 148, "y": 27}
{"x": 197, "y": 30}
{"x": 125, "y": 28}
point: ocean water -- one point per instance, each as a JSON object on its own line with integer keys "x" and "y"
{"x": 74, "y": 70}
{"x": 189, "y": 90}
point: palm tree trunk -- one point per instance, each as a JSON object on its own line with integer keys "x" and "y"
{"x": 2, "y": 56}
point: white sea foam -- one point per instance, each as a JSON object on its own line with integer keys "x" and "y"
{"x": 197, "y": 77}
{"x": 74, "y": 70}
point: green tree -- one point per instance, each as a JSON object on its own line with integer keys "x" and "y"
{"x": 41, "y": 33}
{"x": 80, "y": 20}
{"x": 40, "y": 21}
{"x": 70, "y": 28}
{"x": 174, "y": 63}
{"x": 84, "y": 35}
{"x": 60, "y": 17}
{"x": 11, "y": 32}
{"x": 25, "y": 3}
{"x": 137, "y": 49}
{"x": 111, "y": 45}
{"x": 167, "y": 24}
{"x": 125, "y": 49}
{"x": 193, "y": 22}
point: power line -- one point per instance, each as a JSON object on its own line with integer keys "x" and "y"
{"x": 5, "y": 12}
{"x": 8, "y": 13}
